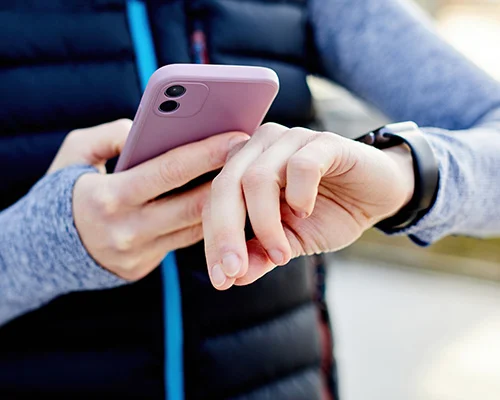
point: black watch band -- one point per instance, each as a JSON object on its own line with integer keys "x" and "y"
{"x": 425, "y": 167}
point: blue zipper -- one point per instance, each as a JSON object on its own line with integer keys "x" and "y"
{"x": 142, "y": 38}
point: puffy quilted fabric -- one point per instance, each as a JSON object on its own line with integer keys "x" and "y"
{"x": 65, "y": 65}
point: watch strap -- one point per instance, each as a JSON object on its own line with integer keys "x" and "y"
{"x": 425, "y": 167}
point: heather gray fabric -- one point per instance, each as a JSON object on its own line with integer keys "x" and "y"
{"x": 41, "y": 255}
{"x": 386, "y": 52}
{"x": 418, "y": 78}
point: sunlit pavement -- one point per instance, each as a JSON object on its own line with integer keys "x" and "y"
{"x": 405, "y": 334}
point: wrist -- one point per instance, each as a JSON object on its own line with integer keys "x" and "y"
{"x": 425, "y": 171}
{"x": 403, "y": 160}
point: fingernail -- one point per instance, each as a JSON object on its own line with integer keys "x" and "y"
{"x": 218, "y": 276}
{"x": 231, "y": 264}
{"x": 276, "y": 257}
{"x": 237, "y": 140}
{"x": 300, "y": 214}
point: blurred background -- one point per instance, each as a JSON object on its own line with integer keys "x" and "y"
{"x": 413, "y": 323}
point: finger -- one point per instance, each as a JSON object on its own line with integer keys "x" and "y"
{"x": 219, "y": 280}
{"x": 175, "y": 212}
{"x": 228, "y": 211}
{"x": 181, "y": 239}
{"x": 262, "y": 184}
{"x": 306, "y": 168}
{"x": 259, "y": 264}
{"x": 235, "y": 149}
{"x": 175, "y": 168}
{"x": 156, "y": 251}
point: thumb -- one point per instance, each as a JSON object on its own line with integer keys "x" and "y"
{"x": 106, "y": 141}
{"x": 92, "y": 146}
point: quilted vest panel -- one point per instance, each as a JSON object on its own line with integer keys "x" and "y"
{"x": 75, "y": 67}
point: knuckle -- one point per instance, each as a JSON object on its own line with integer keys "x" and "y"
{"x": 234, "y": 150}
{"x": 173, "y": 171}
{"x": 123, "y": 240}
{"x": 302, "y": 133}
{"x": 296, "y": 130}
{"x": 189, "y": 237}
{"x": 123, "y": 124}
{"x": 131, "y": 270}
{"x": 194, "y": 208}
{"x": 268, "y": 130}
{"x": 106, "y": 202}
{"x": 272, "y": 125}
{"x": 330, "y": 141}
{"x": 255, "y": 177}
{"x": 214, "y": 156}
{"x": 75, "y": 139}
{"x": 195, "y": 234}
{"x": 73, "y": 136}
{"x": 329, "y": 136}
{"x": 201, "y": 201}
{"x": 205, "y": 212}
{"x": 222, "y": 181}
{"x": 302, "y": 164}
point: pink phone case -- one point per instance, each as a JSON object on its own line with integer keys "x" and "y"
{"x": 218, "y": 98}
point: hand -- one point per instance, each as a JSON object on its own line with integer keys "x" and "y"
{"x": 121, "y": 222}
{"x": 305, "y": 192}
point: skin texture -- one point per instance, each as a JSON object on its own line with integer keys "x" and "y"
{"x": 121, "y": 223}
{"x": 304, "y": 192}
{"x": 93, "y": 146}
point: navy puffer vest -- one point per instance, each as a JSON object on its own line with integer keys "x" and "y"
{"x": 71, "y": 64}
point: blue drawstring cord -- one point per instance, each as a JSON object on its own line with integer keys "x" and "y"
{"x": 142, "y": 38}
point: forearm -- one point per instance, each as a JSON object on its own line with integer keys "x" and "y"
{"x": 390, "y": 55}
{"x": 41, "y": 255}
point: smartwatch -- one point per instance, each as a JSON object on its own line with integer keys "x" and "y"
{"x": 425, "y": 167}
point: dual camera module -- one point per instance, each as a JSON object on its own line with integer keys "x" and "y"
{"x": 172, "y": 92}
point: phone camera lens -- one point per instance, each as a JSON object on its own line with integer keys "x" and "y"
{"x": 169, "y": 106}
{"x": 175, "y": 91}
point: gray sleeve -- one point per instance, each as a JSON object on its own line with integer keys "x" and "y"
{"x": 469, "y": 190}
{"x": 387, "y": 52}
{"x": 41, "y": 254}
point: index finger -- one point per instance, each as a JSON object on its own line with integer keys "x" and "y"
{"x": 228, "y": 208}
{"x": 171, "y": 170}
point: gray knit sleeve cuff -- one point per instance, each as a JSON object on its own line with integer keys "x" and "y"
{"x": 41, "y": 254}
{"x": 41, "y": 251}
{"x": 446, "y": 213}
{"x": 69, "y": 253}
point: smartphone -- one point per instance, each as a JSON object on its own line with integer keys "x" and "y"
{"x": 184, "y": 103}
